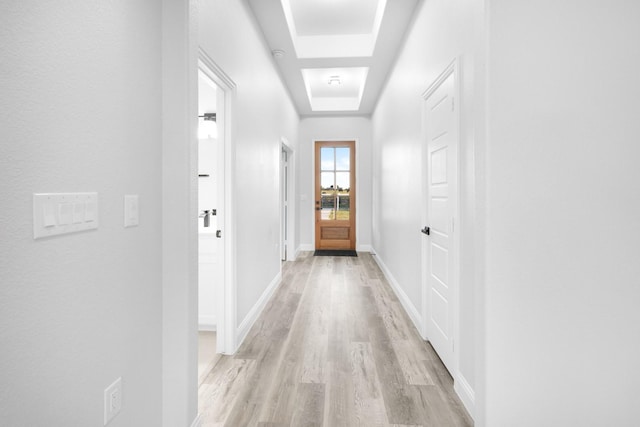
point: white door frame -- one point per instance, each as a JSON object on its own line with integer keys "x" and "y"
{"x": 291, "y": 205}
{"x": 226, "y": 288}
{"x": 452, "y": 68}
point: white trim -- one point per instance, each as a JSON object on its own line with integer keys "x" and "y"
{"x": 465, "y": 392}
{"x": 304, "y": 247}
{"x": 227, "y": 301}
{"x": 460, "y": 384}
{"x": 364, "y": 248}
{"x": 220, "y": 75}
{"x": 451, "y": 70}
{"x": 256, "y": 310}
{"x": 197, "y": 422}
{"x": 179, "y": 208}
{"x": 409, "y": 307}
{"x": 291, "y": 197}
{"x": 207, "y": 323}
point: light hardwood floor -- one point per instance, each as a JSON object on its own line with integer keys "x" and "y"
{"x": 332, "y": 348}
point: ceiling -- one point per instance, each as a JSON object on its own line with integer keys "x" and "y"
{"x": 334, "y": 55}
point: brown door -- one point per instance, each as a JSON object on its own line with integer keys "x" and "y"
{"x": 335, "y": 195}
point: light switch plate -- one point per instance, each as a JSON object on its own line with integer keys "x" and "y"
{"x": 63, "y": 213}
{"x": 131, "y": 210}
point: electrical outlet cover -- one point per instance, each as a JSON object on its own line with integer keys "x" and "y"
{"x": 112, "y": 400}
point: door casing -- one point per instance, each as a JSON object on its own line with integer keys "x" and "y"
{"x": 289, "y": 250}
{"x": 226, "y": 288}
{"x": 454, "y": 196}
{"x": 353, "y": 185}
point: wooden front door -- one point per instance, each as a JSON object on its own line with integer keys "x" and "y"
{"x": 335, "y": 192}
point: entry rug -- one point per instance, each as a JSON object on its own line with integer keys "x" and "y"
{"x": 328, "y": 252}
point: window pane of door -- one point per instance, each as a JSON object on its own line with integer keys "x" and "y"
{"x": 327, "y": 159}
{"x": 343, "y": 185}
{"x": 328, "y": 196}
{"x": 343, "y": 159}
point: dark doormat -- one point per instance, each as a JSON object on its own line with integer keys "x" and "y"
{"x": 330, "y": 252}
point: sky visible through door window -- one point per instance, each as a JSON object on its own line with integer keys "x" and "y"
{"x": 335, "y": 160}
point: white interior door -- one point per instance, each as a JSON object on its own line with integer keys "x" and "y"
{"x": 284, "y": 191}
{"x": 441, "y": 196}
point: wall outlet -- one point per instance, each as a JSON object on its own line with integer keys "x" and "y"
{"x": 112, "y": 400}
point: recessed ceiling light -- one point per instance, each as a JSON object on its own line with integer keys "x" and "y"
{"x": 278, "y": 53}
{"x": 334, "y": 80}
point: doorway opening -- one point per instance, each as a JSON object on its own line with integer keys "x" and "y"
{"x": 216, "y": 284}
{"x": 335, "y": 192}
{"x": 210, "y": 208}
{"x": 287, "y": 205}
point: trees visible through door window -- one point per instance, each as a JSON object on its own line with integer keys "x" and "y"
{"x": 335, "y": 182}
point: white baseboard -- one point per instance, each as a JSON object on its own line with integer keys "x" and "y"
{"x": 305, "y": 247}
{"x": 461, "y": 385}
{"x": 197, "y": 422}
{"x": 364, "y": 248}
{"x": 408, "y": 306}
{"x": 207, "y": 323}
{"x": 466, "y": 393}
{"x": 256, "y": 310}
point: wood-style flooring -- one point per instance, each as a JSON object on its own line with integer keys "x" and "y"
{"x": 332, "y": 348}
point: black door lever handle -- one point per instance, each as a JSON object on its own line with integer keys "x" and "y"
{"x": 426, "y": 231}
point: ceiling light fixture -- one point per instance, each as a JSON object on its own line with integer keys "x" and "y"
{"x": 334, "y": 80}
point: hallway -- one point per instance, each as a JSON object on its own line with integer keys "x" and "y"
{"x": 335, "y": 348}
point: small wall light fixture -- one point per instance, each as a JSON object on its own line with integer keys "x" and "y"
{"x": 208, "y": 128}
{"x": 209, "y": 117}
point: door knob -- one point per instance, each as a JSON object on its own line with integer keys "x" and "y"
{"x": 426, "y": 230}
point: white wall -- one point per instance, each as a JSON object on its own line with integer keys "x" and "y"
{"x": 563, "y": 211}
{"x": 80, "y": 111}
{"x": 263, "y": 114}
{"x": 334, "y": 128}
{"x": 442, "y": 31}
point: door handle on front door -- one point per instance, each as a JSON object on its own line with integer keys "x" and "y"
{"x": 426, "y": 230}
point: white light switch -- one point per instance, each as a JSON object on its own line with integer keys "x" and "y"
{"x": 49, "y": 215}
{"x": 78, "y": 213}
{"x": 90, "y": 209}
{"x": 62, "y": 213}
{"x": 65, "y": 213}
{"x": 130, "y": 210}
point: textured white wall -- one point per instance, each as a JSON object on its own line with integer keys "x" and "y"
{"x": 80, "y": 111}
{"x": 334, "y": 128}
{"x": 563, "y": 214}
{"x": 442, "y": 31}
{"x": 263, "y": 114}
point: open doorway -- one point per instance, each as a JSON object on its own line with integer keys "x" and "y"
{"x": 287, "y": 205}
{"x": 210, "y": 206}
{"x": 216, "y": 284}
